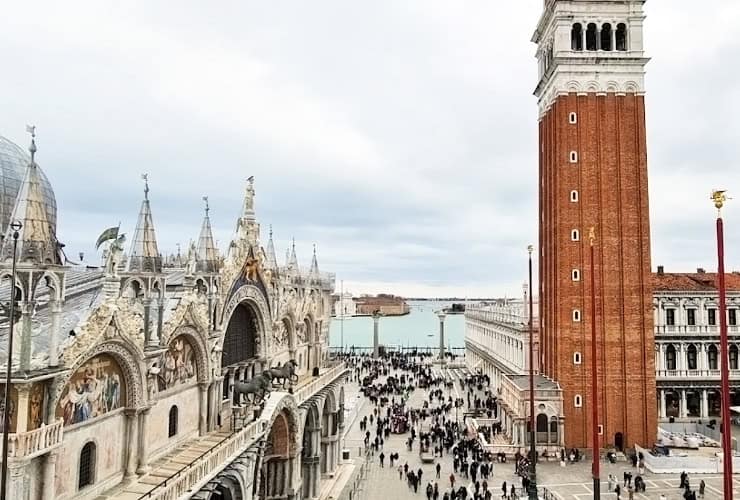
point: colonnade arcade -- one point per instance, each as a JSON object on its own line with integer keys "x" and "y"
{"x": 302, "y": 446}
{"x": 693, "y": 402}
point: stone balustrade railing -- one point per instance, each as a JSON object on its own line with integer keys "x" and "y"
{"x": 205, "y": 467}
{"x": 27, "y": 445}
{"x": 308, "y": 390}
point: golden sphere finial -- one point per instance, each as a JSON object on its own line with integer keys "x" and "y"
{"x": 530, "y": 249}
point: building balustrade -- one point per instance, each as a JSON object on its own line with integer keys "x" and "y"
{"x": 693, "y": 329}
{"x": 27, "y": 445}
{"x": 201, "y": 470}
{"x": 690, "y": 374}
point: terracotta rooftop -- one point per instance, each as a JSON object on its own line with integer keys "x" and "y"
{"x": 693, "y": 282}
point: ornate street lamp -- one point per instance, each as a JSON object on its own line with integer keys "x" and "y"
{"x": 719, "y": 198}
{"x": 532, "y": 490}
{"x": 16, "y": 227}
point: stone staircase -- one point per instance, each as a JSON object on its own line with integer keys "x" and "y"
{"x": 172, "y": 463}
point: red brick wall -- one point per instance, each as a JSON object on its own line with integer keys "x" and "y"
{"x": 611, "y": 179}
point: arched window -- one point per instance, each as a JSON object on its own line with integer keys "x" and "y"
{"x": 606, "y": 36}
{"x": 712, "y": 356}
{"x": 576, "y": 37}
{"x": 691, "y": 357}
{"x": 621, "y": 37}
{"x": 87, "y": 466}
{"x": 733, "y": 357}
{"x": 591, "y": 37}
{"x": 541, "y": 422}
{"x": 670, "y": 357}
{"x": 173, "y": 422}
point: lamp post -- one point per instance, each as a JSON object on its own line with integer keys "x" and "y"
{"x": 719, "y": 198}
{"x": 532, "y": 435}
{"x": 595, "y": 465}
{"x": 16, "y": 227}
{"x": 341, "y": 318}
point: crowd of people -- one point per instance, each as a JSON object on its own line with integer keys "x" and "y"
{"x": 435, "y": 425}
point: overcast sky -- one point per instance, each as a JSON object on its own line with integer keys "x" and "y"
{"x": 398, "y": 136}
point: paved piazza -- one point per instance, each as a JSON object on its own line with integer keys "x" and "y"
{"x": 572, "y": 482}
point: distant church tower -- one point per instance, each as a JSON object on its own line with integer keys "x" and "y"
{"x": 593, "y": 173}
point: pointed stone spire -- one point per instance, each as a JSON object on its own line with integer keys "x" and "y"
{"x": 37, "y": 241}
{"x": 207, "y": 253}
{"x": 144, "y": 255}
{"x": 293, "y": 262}
{"x": 287, "y": 257}
{"x": 271, "y": 258}
{"x": 314, "y": 271}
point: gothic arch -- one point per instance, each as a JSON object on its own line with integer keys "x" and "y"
{"x": 200, "y": 351}
{"x": 285, "y": 405}
{"x": 254, "y": 297}
{"x": 127, "y": 358}
{"x": 290, "y": 324}
{"x": 18, "y": 284}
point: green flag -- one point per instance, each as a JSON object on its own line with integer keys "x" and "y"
{"x": 109, "y": 234}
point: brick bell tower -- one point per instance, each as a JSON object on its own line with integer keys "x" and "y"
{"x": 593, "y": 173}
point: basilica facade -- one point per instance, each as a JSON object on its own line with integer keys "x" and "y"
{"x": 123, "y": 374}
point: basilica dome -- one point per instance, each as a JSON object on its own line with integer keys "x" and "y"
{"x": 13, "y": 163}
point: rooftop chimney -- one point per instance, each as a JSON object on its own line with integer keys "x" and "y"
{"x": 660, "y": 269}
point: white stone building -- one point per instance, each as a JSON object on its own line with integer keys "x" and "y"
{"x": 345, "y": 305}
{"x": 497, "y": 345}
{"x": 123, "y": 376}
{"x": 687, "y": 344}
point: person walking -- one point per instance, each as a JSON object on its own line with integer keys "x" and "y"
{"x": 382, "y": 458}
{"x": 400, "y": 472}
{"x": 439, "y": 470}
{"x": 618, "y": 492}
{"x": 452, "y": 481}
{"x": 702, "y": 485}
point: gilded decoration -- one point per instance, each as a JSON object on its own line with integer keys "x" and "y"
{"x": 96, "y": 388}
{"x": 36, "y": 406}
{"x": 178, "y": 366}
{"x": 13, "y": 410}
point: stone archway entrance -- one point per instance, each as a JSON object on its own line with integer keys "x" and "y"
{"x": 311, "y": 454}
{"x": 240, "y": 348}
{"x": 277, "y": 464}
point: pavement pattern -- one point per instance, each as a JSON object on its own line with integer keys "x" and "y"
{"x": 572, "y": 482}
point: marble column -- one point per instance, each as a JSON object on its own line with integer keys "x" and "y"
{"x": 441, "y": 316}
{"x": 143, "y": 442}
{"x": 132, "y": 451}
{"x": 376, "y": 321}
{"x": 16, "y": 487}
{"x": 56, "y": 318}
{"x": 203, "y": 414}
{"x": 662, "y": 403}
{"x": 683, "y": 413}
{"x": 24, "y": 391}
{"x": 26, "y": 311}
{"x": 50, "y": 462}
{"x": 147, "y": 323}
{"x": 704, "y": 404}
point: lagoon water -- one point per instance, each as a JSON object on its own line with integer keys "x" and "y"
{"x": 410, "y": 330}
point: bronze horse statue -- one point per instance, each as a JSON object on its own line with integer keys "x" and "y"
{"x": 258, "y": 387}
{"x": 286, "y": 373}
